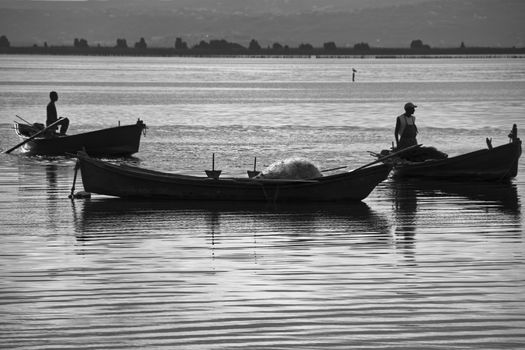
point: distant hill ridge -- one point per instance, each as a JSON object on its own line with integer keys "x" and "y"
{"x": 380, "y": 23}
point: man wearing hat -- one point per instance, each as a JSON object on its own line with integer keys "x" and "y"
{"x": 406, "y": 129}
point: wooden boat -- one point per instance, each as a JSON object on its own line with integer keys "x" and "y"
{"x": 132, "y": 182}
{"x": 115, "y": 141}
{"x": 490, "y": 164}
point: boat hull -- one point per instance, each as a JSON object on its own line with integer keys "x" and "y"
{"x": 115, "y": 141}
{"x": 496, "y": 164}
{"x": 131, "y": 182}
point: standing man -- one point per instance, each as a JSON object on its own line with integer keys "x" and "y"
{"x": 52, "y": 115}
{"x": 406, "y": 129}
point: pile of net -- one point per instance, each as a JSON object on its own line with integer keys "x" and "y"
{"x": 419, "y": 154}
{"x": 424, "y": 153}
{"x": 291, "y": 168}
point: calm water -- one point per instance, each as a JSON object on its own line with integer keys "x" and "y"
{"x": 417, "y": 265}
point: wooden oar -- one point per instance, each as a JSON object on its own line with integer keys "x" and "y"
{"x": 391, "y": 155}
{"x": 34, "y": 136}
{"x": 25, "y": 121}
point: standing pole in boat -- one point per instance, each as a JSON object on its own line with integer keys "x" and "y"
{"x": 214, "y": 174}
{"x": 34, "y": 136}
{"x": 254, "y": 172}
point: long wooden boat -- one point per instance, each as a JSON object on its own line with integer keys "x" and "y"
{"x": 126, "y": 181}
{"x": 490, "y": 164}
{"x": 116, "y": 141}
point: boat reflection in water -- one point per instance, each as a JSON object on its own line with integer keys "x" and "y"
{"x": 501, "y": 196}
{"x": 419, "y": 204}
{"x": 430, "y": 209}
{"x": 290, "y": 224}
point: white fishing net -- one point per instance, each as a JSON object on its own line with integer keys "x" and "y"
{"x": 291, "y": 168}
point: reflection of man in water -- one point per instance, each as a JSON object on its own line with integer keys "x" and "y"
{"x": 406, "y": 129}
{"x": 405, "y": 214}
{"x": 52, "y": 115}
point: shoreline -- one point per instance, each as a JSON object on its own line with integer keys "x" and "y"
{"x": 343, "y": 53}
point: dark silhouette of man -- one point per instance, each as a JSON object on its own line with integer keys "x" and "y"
{"x": 52, "y": 115}
{"x": 406, "y": 129}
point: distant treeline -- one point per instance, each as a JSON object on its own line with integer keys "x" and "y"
{"x": 225, "y": 48}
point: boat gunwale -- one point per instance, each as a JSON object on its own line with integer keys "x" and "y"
{"x": 147, "y": 174}
{"x": 65, "y": 137}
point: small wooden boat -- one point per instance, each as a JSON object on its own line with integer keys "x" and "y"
{"x": 132, "y": 182}
{"x": 490, "y": 164}
{"x": 115, "y": 141}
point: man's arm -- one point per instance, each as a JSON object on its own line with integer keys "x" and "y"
{"x": 51, "y": 114}
{"x": 396, "y": 131}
